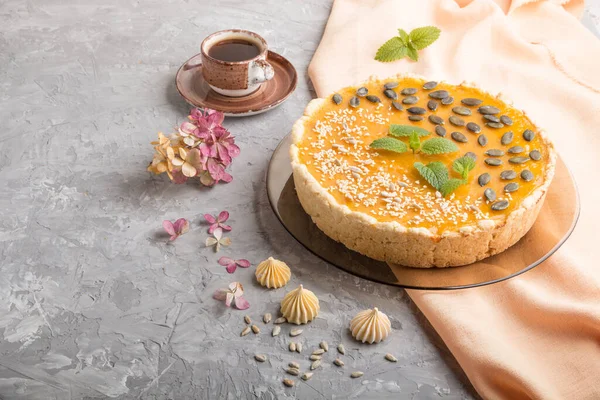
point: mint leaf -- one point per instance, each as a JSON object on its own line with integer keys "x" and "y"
{"x": 435, "y": 173}
{"x": 438, "y": 146}
{"x": 411, "y": 51}
{"x": 406, "y": 130}
{"x": 423, "y": 37}
{"x": 463, "y": 166}
{"x": 404, "y": 36}
{"x": 414, "y": 142}
{"x": 450, "y": 186}
{"x": 392, "y": 50}
{"x": 389, "y": 144}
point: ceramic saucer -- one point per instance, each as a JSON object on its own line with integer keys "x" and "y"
{"x": 194, "y": 89}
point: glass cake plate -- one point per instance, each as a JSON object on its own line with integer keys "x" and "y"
{"x": 554, "y": 225}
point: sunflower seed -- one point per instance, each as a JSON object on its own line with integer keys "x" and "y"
{"x": 516, "y": 150}
{"x": 397, "y": 106}
{"x": 410, "y": 100}
{"x": 324, "y": 345}
{"x": 362, "y": 91}
{"x": 448, "y": 100}
{"x": 526, "y": 175}
{"x": 245, "y": 331}
{"x": 293, "y": 371}
{"x": 354, "y": 102}
{"x": 434, "y": 119}
{"x": 494, "y": 153}
{"x": 267, "y": 318}
{"x": 288, "y": 382}
{"x": 416, "y": 110}
{"x": 390, "y": 85}
{"x": 456, "y": 121}
{"x": 255, "y": 329}
{"x": 415, "y": 118}
{"x": 484, "y": 179}
{"x": 507, "y": 138}
{"x": 535, "y": 155}
{"x": 318, "y": 352}
{"x": 508, "y": 175}
{"x": 260, "y": 357}
{"x": 432, "y": 105}
{"x": 470, "y": 101}
{"x": 518, "y": 160}
{"x": 528, "y": 135}
{"x": 491, "y": 118}
{"x": 439, "y": 94}
{"x": 280, "y": 320}
{"x": 314, "y": 357}
{"x": 357, "y": 374}
{"x": 341, "y": 349}
{"x": 315, "y": 364}
{"x": 408, "y": 91}
{"x": 494, "y": 162}
{"x": 500, "y": 205}
{"x": 292, "y": 346}
{"x": 276, "y": 331}
{"x": 495, "y": 125}
{"x": 430, "y": 85}
{"x": 390, "y": 94}
{"x": 373, "y": 99}
{"x": 306, "y": 376}
{"x": 247, "y": 320}
{"x": 471, "y": 154}
{"x": 459, "y": 137}
{"x": 337, "y": 98}
{"x": 482, "y": 140}
{"x": 489, "y": 194}
{"x": 505, "y": 119}
{"x": 338, "y": 362}
{"x": 464, "y": 111}
{"x": 473, "y": 127}
{"x": 511, "y": 187}
{"x": 440, "y": 131}
{"x": 295, "y": 332}
{"x": 298, "y": 347}
{"x": 488, "y": 110}
{"x": 294, "y": 364}
{"x": 390, "y": 357}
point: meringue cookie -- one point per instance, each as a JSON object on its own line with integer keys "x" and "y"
{"x": 300, "y": 306}
{"x": 370, "y": 326}
{"x": 273, "y": 273}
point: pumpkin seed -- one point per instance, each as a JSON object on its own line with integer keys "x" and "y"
{"x": 316, "y": 364}
{"x": 390, "y": 357}
{"x": 416, "y": 110}
{"x": 280, "y": 320}
{"x": 508, "y": 175}
{"x": 432, "y": 105}
{"x": 507, "y": 138}
{"x": 505, "y": 119}
{"x": 500, "y": 205}
{"x": 292, "y": 346}
{"x": 357, "y": 374}
{"x": 511, "y": 187}
{"x": 535, "y": 155}
{"x": 439, "y": 94}
{"x": 434, "y": 119}
{"x": 456, "y": 121}
{"x": 482, "y": 140}
{"x": 494, "y": 153}
{"x": 276, "y": 331}
{"x": 470, "y": 101}
{"x": 459, "y": 137}
{"x": 314, "y": 357}
{"x": 318, "y": 352}
{"x": 260, "y": 357}
{"x": 247, "y": 320}
{"x": 518, "y": 160}
{"x": 430, "y": 85}
{"x": 324, "y": 345}
{"x": 267, "y": 318}
{"x": 338, "y": 362}
{"x": 489, "y": 194}
{"x": 464, "y": 111}
{"x": 293, "y": 371}
{"x": 495, "y": 125}
{"x": 373, "y": 99}
{"x": 255, "y": 329}
{"x": 410, "y": 100}
{"x": 354, "y": 102}
{"x": 390, "y": 85}
{"x": 341, "y": 349}
{"x": 448, "y": 100}
{"x": 494, "y": 162}
{"x": 440, "y": 131}
{"x": 488, "y": 110}
{"x": 528, "y": 135}
{"x": 245, "y": 331}
{"x": 526, "y": 175}
{"x": 415, "y": 118}
{"x": 397, "y": 106}
{"x": 306, "y": 376}
{"x": 491, "y": 118}
{"x": 516, "y": 150}
{"x": 294, "y": 364}
{"x": 295, "y": 332}
{"x": 362, "y": 91}
{"x": 390, "y": 94}
{"x": 337, "y": 98}
{"x": 473, "y": 127}
{"x": 298, "y": 347}
{"x": 484, "y": 179}
{"x": 288, "y": 382}
{"x": 471, "y": 154}
{"x": 408, "y": 91}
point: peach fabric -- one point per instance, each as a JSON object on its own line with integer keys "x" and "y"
{"x": 536, "y": 336}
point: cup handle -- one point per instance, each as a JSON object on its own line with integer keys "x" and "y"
{"x": 260, "y": 71}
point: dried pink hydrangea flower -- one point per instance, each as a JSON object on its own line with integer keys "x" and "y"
{"x": 218, "y": 221}
{"x": 217, "y": 240}
{"x": 176, "y": 229}
{"x": 231, "y": 265}
{"x": 233, "y": 294}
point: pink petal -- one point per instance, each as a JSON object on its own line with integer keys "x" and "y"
{"x": 181, "y": 226}
{"x": 173, "y": 237}
{"x": 225, "y": 261}
{"x": 234, "y": 150}
{"x": 223, "y": 216}
{"x": 179, "y": 177}
{"x": 243, "y": 263}
{"x": 212, "y": 228}
{"x": 231, "y": 268}
{"x": 187, "y": 128}
{"x": 215, "y": 118}
{"x": 169, "y": 228}
{"x": 229, "y": 298}
{"x": 241, "y": 303}
{"x": 225, "y": 227}
{"x": 223, "y": 154}
{"x": 220, "y": 294}
{"x": 233, "y": 286}
{"x": 226, "y": 177}
{"x": 210, "y": 218}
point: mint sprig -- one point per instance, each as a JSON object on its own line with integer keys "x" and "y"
{"x": 450, "y": 186}
{"x": 435, "y": 173}
{"x": 407, "y": 44}
{"x": 389, "y": 144}
{"x": 438, "y": 146}
{"x": 414, "y": 142}
{"x": 463, "y": 166}
{"x": 407, "y": 130}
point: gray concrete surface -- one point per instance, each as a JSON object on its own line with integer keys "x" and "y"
{"x": 93, "y": 302}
